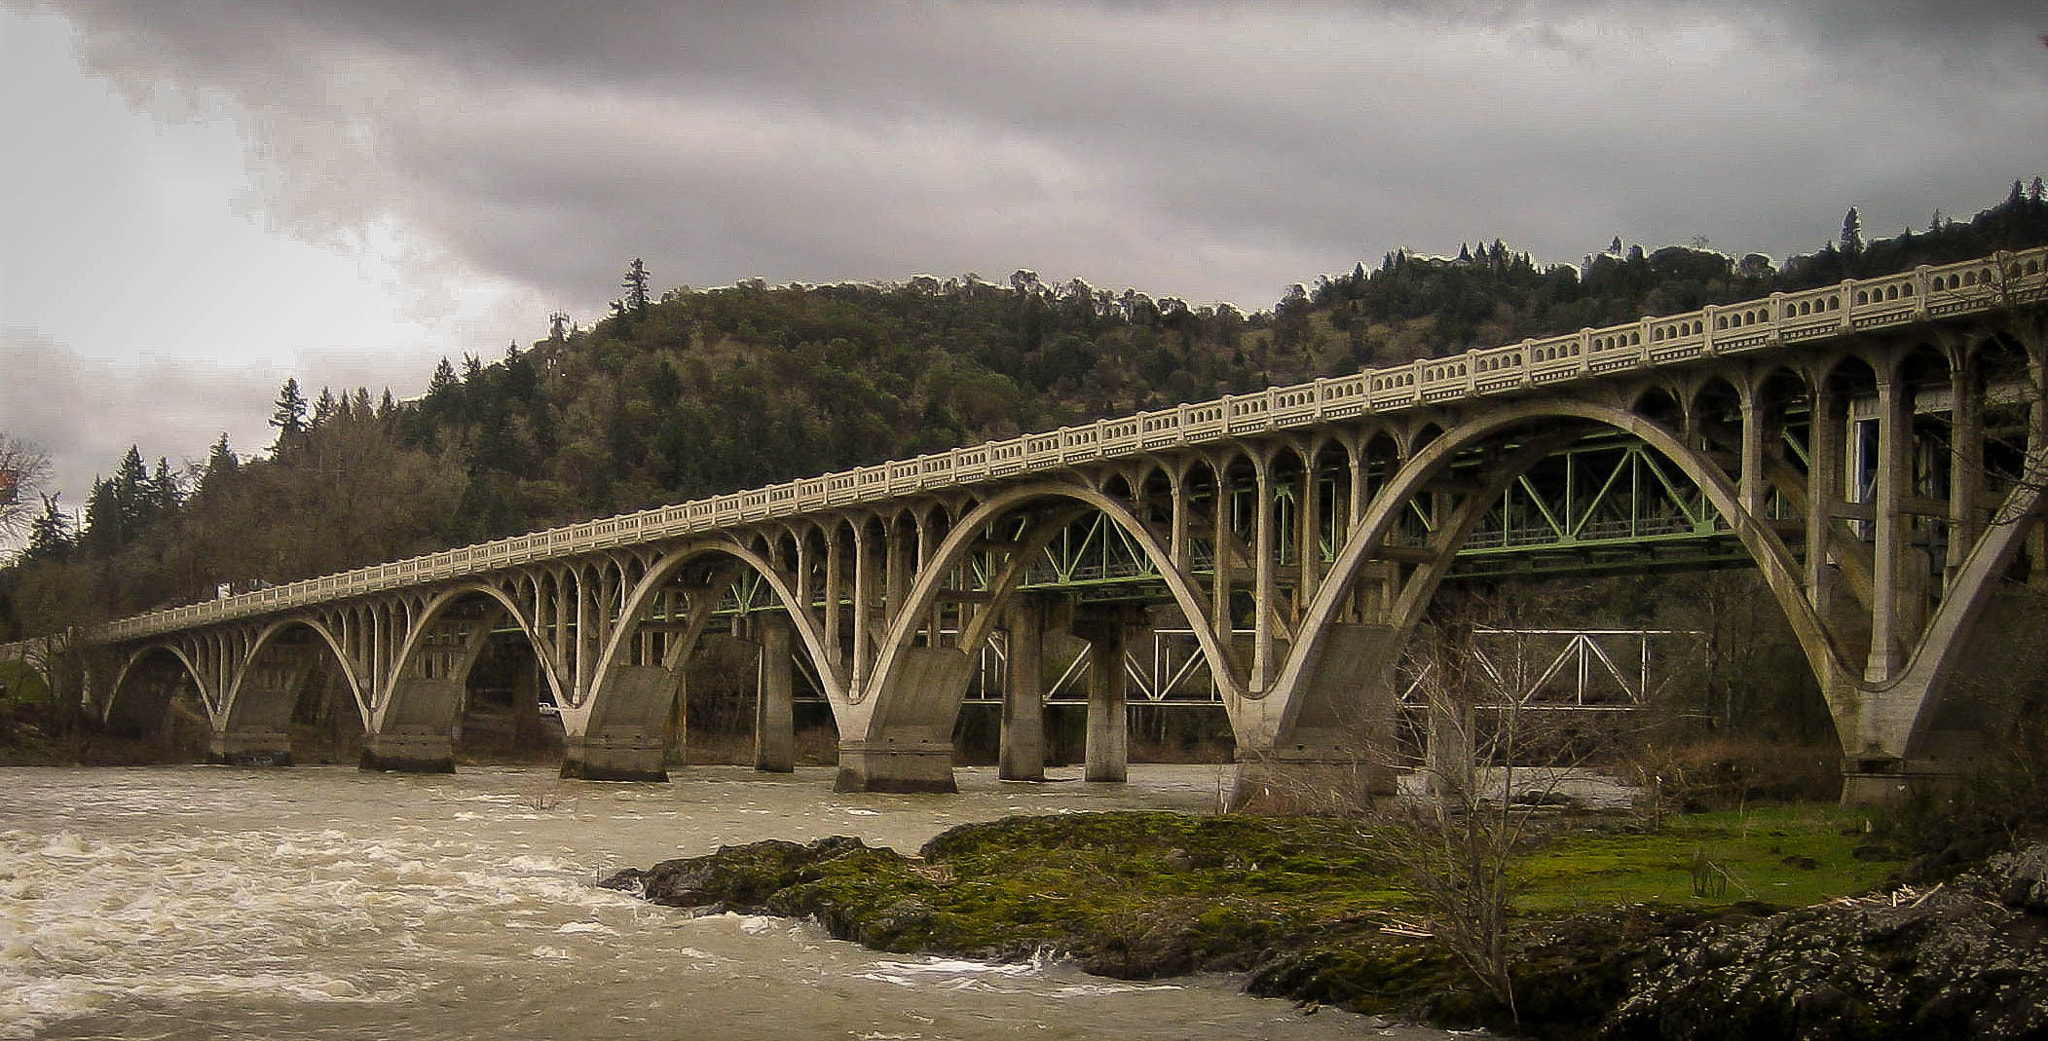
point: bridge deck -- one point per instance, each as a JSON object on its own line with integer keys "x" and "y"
{"x": 1954, "y": 290}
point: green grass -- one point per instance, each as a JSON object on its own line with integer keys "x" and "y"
{"x": 1022, "y": 881}
{"x": 24, "y": 685}
{"x": 1226, "y": 881}
{"x": 1790, "y": 855}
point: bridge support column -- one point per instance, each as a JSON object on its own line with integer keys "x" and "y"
{"x": 774, "y": 711}
{"x": 910, "y": 749}
{"x": 629, "y": 741}
{"x": 1023, "y": 733}
{"x": 410, "y": 751}
{"x": 1339, "y": 753}
{"x": 268, "y": 747}
{"x": 895, "y": 766}
{"x": 634, "y": 756}
{"x": 1108, "y": 755}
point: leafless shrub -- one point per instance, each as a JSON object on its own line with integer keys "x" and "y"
{"x": 541, "y": 795}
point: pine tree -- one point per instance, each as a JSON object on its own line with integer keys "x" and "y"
{"x": 289, "y": 416}
{"x": 50, "y": 536}
{"x": 443, "y": 381}
{"x": 1851, "y": 243}
{"x": 324, "y": 409}
{"x": 221, "y": 459}
{"x": 635, "y": 285}
{"x": 167, "y": 491}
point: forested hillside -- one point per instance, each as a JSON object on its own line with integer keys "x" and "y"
{"x": 695, "y": 392}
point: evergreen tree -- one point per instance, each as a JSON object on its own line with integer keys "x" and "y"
{"x": 221, "y": 459}
{"x": 50, "y": 535}
{"x": 1851, "y": 243}
{"x": 443, "y": 381}
{"x": 324, "y": 409}
{"x": 132, "y": 492}
{"x": 289, "y": 415}
{"x": 635, "y": 285}
{"x": 166, "y": 490}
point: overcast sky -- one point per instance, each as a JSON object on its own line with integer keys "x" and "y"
{"x": 206, "y": 196}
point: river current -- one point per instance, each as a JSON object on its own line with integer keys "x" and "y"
{"x": 321, "y": 902}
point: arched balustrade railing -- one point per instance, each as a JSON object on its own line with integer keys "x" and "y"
{"x": 1974, "y": 286}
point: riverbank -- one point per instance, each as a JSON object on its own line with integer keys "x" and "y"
{"x": 1711, "y": 925}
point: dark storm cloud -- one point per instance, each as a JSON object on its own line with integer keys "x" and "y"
{"x": 1209, "y": 150}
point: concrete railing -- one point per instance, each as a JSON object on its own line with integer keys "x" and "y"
{"x": 1978, "y": 285}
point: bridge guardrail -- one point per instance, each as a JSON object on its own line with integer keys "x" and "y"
{"x": 1929, "y": 291}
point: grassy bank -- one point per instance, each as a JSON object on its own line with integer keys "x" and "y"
{"x": 1316, "y": 909}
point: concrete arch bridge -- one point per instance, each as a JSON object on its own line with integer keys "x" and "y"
{"x": 1874, "y": 448}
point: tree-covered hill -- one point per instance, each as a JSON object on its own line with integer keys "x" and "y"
{"x": 704, "y": 391}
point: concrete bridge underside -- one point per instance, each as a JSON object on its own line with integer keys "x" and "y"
{"x": 1877, "y": 449}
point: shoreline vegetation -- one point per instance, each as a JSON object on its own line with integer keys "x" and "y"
{"x": 1787, "y": 920}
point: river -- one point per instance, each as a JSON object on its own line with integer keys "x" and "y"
{"x": 321, "y": 902}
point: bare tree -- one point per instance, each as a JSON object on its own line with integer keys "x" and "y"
{"x": 24, "y": 466}
{"x": 1458, "y": 843}
{"x": 1493, "y": 762}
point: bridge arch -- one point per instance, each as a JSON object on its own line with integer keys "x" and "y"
{"x": 605, "y": 710}
{"x": 1369, "y": 534}
{"x": 436, "y": 609}
{"x": 244, "y": 707}
{"x": 887, "y": 702}
{"x": 134, "y": 711}
{"x": 415, "y": 701}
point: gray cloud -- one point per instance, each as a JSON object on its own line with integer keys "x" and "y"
{"x": 1209, "y": 150}
{"x": 86, "y": 412}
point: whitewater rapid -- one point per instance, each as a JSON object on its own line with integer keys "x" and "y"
{"x": 208, "y": 902}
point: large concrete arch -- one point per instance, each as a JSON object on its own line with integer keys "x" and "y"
{"x": 618, "y": 733}
{"x": 239, "y": 711}
{"x": 422, "y": 626}
{"x": 121, "y": 712}
{"x": 411, "y": 725}
{"x": 1773, "y": 559}
{"x": 960, "y": 539}
{"x": 897, "y": 733}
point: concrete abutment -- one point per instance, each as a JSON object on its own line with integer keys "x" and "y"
{"x": 907, "y": 745}
{"x": 412, "y": 752}
{"x": 254, "y": 748}
{"x": 625, "y": 737}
